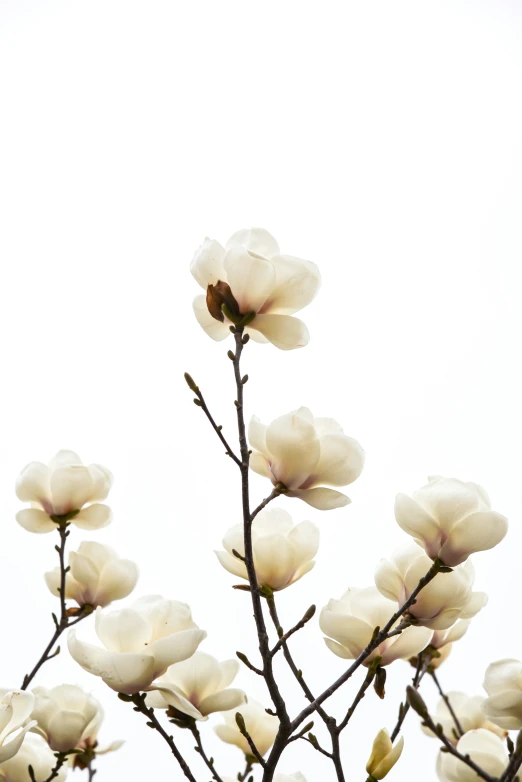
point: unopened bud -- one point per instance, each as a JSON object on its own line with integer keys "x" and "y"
{"x": 416, "y": 702}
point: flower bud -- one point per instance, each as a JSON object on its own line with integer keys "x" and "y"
{"x": 384, "y": 755}
{"x": 220, "y": 295}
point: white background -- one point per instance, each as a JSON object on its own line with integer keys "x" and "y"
{"x": 381, "y": 140}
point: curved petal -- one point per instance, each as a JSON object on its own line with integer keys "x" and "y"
{"x": 222, "y": 701}
{"x": 94, "y": 516}
{"x": 174, "y": 648}
{"x": 70, "y": 488}
{"x": 260, "y": 464}
{"x": 503, "y": 675}
{"x": 172, "y": 696}
{"x": 478, "y": 532}
{"x": 304, "y": 537}
{"x": 34, "y": 520}
{"x": 296, "y": 284}
{"x": 250, "y": 276}
{"x": 214, "y": 328}
{"x": 229, "y": 671}
{"x": 505, "y": 709}
{"x": 321, "y": 498}
{"x": 123, "y": 631}
{"x": 294, "y": 447}
{"x": 232, "y": 564}
{"x": 339, "y": 650}
{"x": 258, "y": 240}
{"x": 82, "y": 569}
{"x": 207, "y": 264}
{"x": 274, "y": 560}
{"x": 416, "y": 521}
{"x": 117, "y": 580}
{"x": 283, "y": 331}
{"x": 65, "y": 730}
{"x": 257, "y": 435}
{"x": 9, "y": 750}
{"x": 388, "y": 580}
{"x": 409, "y": 643}
{"x": 341, "y": 461}
{"x": 53, "y": 580}
{"x": 33, "y": 484}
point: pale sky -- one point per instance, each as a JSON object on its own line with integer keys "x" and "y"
{"x": 380, "y": 140}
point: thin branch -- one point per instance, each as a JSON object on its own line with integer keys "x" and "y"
{"x": 358, "y": 698}
{"x": 404, "y": 708}
{"x": 285, "y": 636}
{"x": 429, "y": 723}
{"x": 273, "y": 494}
{"x": 240, "y": 722}
{"x": 199, "y": 749}
{"x": 91, "y": 771}
{"x": 377, "y": 639}
{"x": 248, "y": 768}
{"x": 61, "y": 758}
{"x": 153, "y": 722}
{"x": 446, "y": 700}
{"x": 329, "y": 721}
{"x": 216, "y": 427}
{"x": 262, "y": 633}
{"x": 64, "y": 622}
{"x": 315, "y": 744}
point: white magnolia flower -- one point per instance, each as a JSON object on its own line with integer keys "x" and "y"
{"x": 450, "y": 519}
{"x": 64, "y": 715}
{"x": 261, "y": 727}
{"x": 351, "y": 621}
{"x": 484, "y": 748}
{"x": 283, "y": 553}
{"x": 469, "y": 712}
{"x": 303, "y": 453}
{"x": 64, "y": 486}
{"x": 97, "y": 576}
{"x": 198, "y": 687}
{"x": 250, "y": 279}
{"x": 384, "y": 755}
{"x": 15, "y": 712}
{"x": 443, "y": 640}
{"x": 444, "y": 600}
{"x": 503, "y": 684}
{"x": 34, "y": 752}
{"x": 140, "y": 642}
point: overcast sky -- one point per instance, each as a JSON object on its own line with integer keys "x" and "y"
{"x": 381, "y": 140}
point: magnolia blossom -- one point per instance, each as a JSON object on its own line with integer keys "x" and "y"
{"x": 15, "y": 712}
{"x": 261, "y": 727}
{"x": 63, "y": 488}
{"x": 34, "y": 752}
{"x": 283, "y": 553}
{"x": 249, "y": 282}
{"x": 503, "y": 684}
{"x": 351, "y": 621}
{"x": 198, "y": 687}
{"x": 302, "y": 453}
{"x": 469, "y": 712}
{"x": 450, "y": 519}
{"x": 384, "y": 755}
{"x": 484, "y": 748}
{"x": 97, "y": 576}
{"x": 140, "y": 642}
{"x": 64, "y": 715}
{"x": 444, "y": 600}
{"x": 442, "y": 640}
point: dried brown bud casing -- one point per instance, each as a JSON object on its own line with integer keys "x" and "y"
{"x": 219, "y": 295}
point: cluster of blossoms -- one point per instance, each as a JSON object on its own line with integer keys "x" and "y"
{"x": 421, "y": 602}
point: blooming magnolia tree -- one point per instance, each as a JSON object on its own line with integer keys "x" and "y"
{"x": 421, "y": 602}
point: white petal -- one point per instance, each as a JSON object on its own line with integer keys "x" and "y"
{"x": 65, "y": 458}
{"x": 93, "y": 517}
{"x": 70, "y": 488}
{"x": 409, "y": 643}
{"x": 294, "y": 448}
{"x": 222, "y": 701}
{"x": 339, "y": 650}
{"x": 260, "y": 464}
{"x": 35, "y": 520}
{"x": 505, "y": 709}
{"x": 304, "y": 537}
{"x": 174, "y": 648}
{"x": 65, "y": 730}
{"x": 122, "y": 631}
{"x": 214, "y": 328}
{"x": 416, "y": 521}
{"x": 232, "y": 564}
{"x": 388, "y": 580}
{"x": 321, "y": 498}
{"x": 341, "y": 461}
{"x": 33, "y": 484}
{"x": 172, "y": 696}
{"x": 118, "y": 579}
{"x": 251, "y": 278}
{"x": 229, "y": 671}
{"x": 296, "y": 284}
{"x": 274, "y": 561}
{"x": 256, "y": 239}
{"x": 478, "y": 532}
{"x": 283, "y": 331}
{"x": 207, "y": 264}
{"x": 257, "y": 434}
{"x": 10, "y": 748}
